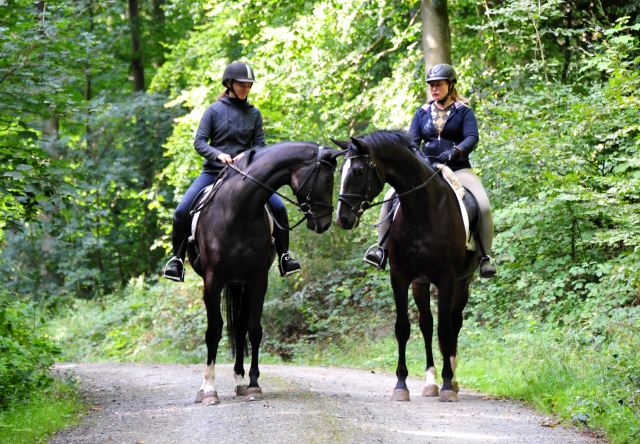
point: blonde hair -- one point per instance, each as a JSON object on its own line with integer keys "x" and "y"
{"x": 457, "y": 97}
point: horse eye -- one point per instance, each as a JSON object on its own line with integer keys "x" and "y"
{"x": 359, "y": 171}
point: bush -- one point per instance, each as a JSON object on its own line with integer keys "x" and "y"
{"x": 26, "y": 353}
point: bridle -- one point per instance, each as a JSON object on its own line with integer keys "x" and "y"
{"x": 366, "y": 203}
{"x": 306, "y": 206}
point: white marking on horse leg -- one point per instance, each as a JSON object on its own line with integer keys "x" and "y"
{"x": 239, "y": 379}
{"x": 431, "y": 376}
{"x": 454, "y": 364}
{"x": 208, "y": 380}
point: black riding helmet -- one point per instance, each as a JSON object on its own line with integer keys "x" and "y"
{"x": 443, "y": 71}
{"x": 239, "y": 72}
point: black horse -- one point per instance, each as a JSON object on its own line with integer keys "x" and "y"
{"x": 427, "y": 245}
{"x": 236, "y": 251}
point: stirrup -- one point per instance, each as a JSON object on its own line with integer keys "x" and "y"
{"x": 487, "y": 258}
{"x": 173, "y": 278}
{"x": 288, "y": 255}
{"x": 378, "y": 266}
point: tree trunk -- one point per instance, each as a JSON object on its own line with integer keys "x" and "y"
{"x": 436, "y": 37}
{"x": 136, "y": 47}
{"x": 158, "y": 29}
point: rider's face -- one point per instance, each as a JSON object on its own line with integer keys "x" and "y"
{"x": 241, "y": 89}
{"x": 439, "y": 89}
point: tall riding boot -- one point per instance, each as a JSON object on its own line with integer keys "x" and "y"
{"x": 287, "y": 264}
{"x": 174, "y": 269}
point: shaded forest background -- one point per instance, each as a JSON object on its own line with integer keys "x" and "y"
{"x": 99, "y": 102}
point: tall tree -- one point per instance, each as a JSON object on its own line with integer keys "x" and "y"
{"x": 136, "y": 46}
{"x": 436, "y": 37}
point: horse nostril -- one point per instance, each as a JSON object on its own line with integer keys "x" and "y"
{"x": 325, "y": 227}
{"x": 343, "y": 221}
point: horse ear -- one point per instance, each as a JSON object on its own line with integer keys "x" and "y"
{"x": 359, "y": 144}
{"x": 333, "y": 154}
{"x": 341, "y": 143}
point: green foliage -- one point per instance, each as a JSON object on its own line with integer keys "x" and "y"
{"x": 35, "y": 422}
{"x": 27, "y": 352}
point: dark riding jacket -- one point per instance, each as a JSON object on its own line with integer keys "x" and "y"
{"x": 460, "y": 129}
{"x": 229, "y": 126}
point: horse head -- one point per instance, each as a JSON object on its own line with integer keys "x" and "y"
{"x": 362, "y": 180}
{"x": 312, "y": 185}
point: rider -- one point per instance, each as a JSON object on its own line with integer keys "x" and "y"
{"x": 228, "y": 128}
{"x": 449, "y": 130}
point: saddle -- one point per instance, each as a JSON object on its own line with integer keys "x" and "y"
{"x": 206, "y": 196}
{"x": 468, "y": 205}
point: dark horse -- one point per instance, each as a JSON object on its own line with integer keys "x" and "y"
{"x": 234, "y": 241}
{"x": 427, "y": 245}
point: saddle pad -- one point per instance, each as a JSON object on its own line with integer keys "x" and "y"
{"x": 196, "y": 215}
{"x": 452, "y": 180}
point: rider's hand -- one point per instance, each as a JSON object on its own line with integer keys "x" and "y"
{"x": 238, "y": 157}
{"x": 225, "y": 158}
{"x": 450, "y": 155}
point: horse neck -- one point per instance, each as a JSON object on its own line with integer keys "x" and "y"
{"x": 403, "y": 171}
{"x": 274, "y": 168}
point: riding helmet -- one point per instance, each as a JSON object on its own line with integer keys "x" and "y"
{"x": 238, "y": 71}
{"x": 442, "y": 71}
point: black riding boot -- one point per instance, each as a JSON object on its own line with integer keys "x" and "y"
{"x": 487, "y": 270}
{"x": 377, "y": 258}
{"x": 287, "y": 264}
{"x": 174, "y": 269}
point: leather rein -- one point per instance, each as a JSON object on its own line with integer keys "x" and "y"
{"x": 304, "y": 207}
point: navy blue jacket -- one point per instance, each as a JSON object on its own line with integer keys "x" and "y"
{"x": 228, "y": 126}
{"x": 460, "y": 129}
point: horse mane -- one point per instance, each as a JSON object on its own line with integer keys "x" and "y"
{"x": 385, "y": 139}
{"x": 243, "y": 163}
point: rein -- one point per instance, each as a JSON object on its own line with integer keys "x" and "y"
{"x": 366, "y": 204}
{"x": 304, "y": 207}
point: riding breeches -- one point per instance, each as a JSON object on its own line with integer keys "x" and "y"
{"x": 467, "y": 179}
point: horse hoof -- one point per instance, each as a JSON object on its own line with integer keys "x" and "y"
{"x": 448, "y": 396}
{"x": 241, "y": 390}
{"x": 199, "y": 396}
{"x": 456, "y": 388}
{"x": 253, "y": 394}
{"x": 210, "y": 399}
{"x": 400, "y": 395}
{"x": 430, "y": 390}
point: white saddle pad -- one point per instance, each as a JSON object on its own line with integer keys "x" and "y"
{"x": 452, "y": 180}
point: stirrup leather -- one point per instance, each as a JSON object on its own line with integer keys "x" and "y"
{"x": 173, "y": 278}
{"x": 288, "y": 255}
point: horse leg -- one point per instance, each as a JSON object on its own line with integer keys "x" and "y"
{"x": 446, "y": 337}
{"x": 460, "y": 301}
{"x": 207, "y": 394}
{"x": 400, "y": 287}
{"x": 256, "y": 302}
{"x": 425, "y": 320}
{"x": 241, "y": 326}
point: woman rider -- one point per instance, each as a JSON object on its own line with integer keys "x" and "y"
{"x": 449, "y": 130}
{"x": 228, "y": 128}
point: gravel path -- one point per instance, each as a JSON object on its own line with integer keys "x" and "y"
{"x": 153, "y": 403}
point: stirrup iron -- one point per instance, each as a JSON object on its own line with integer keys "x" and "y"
{"x": 173, "y": 278}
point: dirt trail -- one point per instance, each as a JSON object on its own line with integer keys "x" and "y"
{"x": 153, "y": 403}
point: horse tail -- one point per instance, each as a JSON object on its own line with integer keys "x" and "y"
{"x": 233, "y": 297}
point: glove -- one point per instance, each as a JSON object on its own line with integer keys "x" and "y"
{"x": 450, "y": 155}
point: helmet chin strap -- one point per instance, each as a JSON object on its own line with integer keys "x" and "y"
{"x": 444, "y": 100}
{"x": 232, "y": 89}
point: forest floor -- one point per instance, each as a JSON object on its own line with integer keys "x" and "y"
{"x": 153, "y": 403}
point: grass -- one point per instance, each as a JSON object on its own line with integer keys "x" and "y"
{"x": 41, "y": 417}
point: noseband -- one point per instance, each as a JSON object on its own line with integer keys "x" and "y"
{"x": 304, "y": 207}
